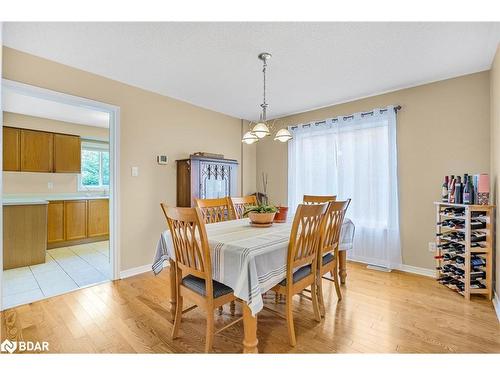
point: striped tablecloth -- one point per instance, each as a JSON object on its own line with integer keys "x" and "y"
{"x": 249, "y": 260}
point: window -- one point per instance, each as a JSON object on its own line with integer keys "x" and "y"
{"x": 95, "y": 166}
{"x": 353, "y": 157}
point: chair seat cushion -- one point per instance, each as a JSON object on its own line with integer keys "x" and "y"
{"x": 327, "y": 258}
{"x": 198, "y": 285}
{"x": 299, "y": 274}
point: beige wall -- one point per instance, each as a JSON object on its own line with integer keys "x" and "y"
{"x": 23, "y": 182}
{"x": 151, "y": 124}
{"x": 495, "y": 150}
{"x": 437, "y": 122}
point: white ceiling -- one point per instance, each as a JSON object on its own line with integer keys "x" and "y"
{"x": 33, "y": 106}
{"x": 214, "y": 65}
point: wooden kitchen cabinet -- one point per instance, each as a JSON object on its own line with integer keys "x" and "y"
{"x": 75, "y": 220}
{"x": 98, "y": 217}
{"x": 26, "y": 150}
{"x": 36, "y": 151}
{"x": 11, "y": 149}
{"x": 55, "y": 222}
{"x": 67, "y": 153}
{"x": 24, "y": 235}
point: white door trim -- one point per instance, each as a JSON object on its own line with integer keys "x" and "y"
{"x": 114, "y": 138}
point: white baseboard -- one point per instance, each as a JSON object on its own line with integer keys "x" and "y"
{"x": 418, "y": 270}
{"x": 138, "y": 270}
{"x": 135, "y": 271}
{"x": 496, "y": 305}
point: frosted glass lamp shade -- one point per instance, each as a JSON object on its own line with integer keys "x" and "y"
{"x": 260, "y": 130}
{"x": 249, "y": 138}
{"x": 283, "y": 135}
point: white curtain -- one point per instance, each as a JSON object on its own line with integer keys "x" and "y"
{"x": 353, "y": 157}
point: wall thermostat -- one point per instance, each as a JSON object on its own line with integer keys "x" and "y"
{"x": 162, "y": 159}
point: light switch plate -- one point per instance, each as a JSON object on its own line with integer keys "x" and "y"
{"x": 432, "y": 247}
{"x": 135, "y": 171}
{"x": 50, "y": 185}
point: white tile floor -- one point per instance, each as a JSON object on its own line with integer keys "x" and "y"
{"x": 65, "y": 269}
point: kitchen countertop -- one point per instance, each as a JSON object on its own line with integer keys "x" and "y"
{"x": 23, "y": 201}
{"x": 13, "y": 200}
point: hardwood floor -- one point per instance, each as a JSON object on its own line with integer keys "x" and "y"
{"x": 380, "y": 313}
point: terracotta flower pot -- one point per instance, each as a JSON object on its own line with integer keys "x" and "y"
{"x": 281, "y": 215}
{"x": 261, "y": 218}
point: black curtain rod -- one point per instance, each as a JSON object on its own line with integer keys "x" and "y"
{"x": 396, "y": 109}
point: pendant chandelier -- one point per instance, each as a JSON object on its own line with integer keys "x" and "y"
{"x": 263, "y": 127}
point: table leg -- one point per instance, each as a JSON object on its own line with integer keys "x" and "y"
{"x": 250, "y": 340}
{"x": 173, "y": 297}
{"x": 342, "y": 266}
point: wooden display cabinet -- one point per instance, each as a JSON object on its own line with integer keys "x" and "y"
{"x": 205, "y": 178}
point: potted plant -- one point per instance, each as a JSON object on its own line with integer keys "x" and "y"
{"x": 261, "y": 214}
{"x": 281, "y": 214}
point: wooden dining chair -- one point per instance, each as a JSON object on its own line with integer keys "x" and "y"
{"x": 193, "y": 269}
{"x": 327, "y": 260}
{"x": 314, "y": 199}
{"x": 241, "y": 203}
{"x": 302, "y": 260}
{"x": 215, "y": 210}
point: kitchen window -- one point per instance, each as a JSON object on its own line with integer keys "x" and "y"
{"x": 95, "y": 166}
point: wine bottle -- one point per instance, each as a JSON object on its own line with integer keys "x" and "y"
{"x": 451, "y": 189}
{"x": 477, "y": 224}
{"x": 476, "y": 284}
{"x": 477, "y": 275}
{"x": 467, "y": 193}
{"x": 477, "y": 237}
{"x": 444, "y": 189}
{"x": 458, "y": 190}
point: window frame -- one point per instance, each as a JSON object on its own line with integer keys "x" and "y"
{"x": 101, "y": 147}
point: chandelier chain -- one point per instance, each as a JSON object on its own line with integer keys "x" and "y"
{"x": 264, "y": 104}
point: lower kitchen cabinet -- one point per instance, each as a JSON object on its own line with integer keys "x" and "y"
{"x": 98, "y": 217}
{"x": 75, "y": 220}
{"x": 24, "y": 235}
{"x": 55, "y": 222}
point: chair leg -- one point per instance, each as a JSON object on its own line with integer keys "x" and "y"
{"x": 337, "y": 284}
{"x": 178, "y": 317}
{"x": 209, "y": 339}
{"x": 289, "y": 320}
{"x": 319, "y": 286}
{"x": 314, "y": 295}
{"x": 232, "y": 308}
{"x": 221, "y": 310}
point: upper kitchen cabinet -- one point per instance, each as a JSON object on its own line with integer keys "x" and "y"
{"x": 26, "y": 150}
{"x": 36, "y": 151}
{"x": 11, "y": 149}
{"x": 67, "y": 153}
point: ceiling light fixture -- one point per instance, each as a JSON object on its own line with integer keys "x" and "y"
{"x": 263, "y": 128}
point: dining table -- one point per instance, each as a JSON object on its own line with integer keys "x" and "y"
{"x": 251, "y": 260}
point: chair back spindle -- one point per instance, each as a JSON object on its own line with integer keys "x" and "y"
{"x": 334, "y": 217}
{"x": 241, "y": 203}
{"x": 305, "y": 236}
{"x": 189, "y": 237}
{"x": 215, "y": 210}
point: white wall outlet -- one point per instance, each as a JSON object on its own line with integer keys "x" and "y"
{"x": 135, "y": 171}
{"x": 50, "y": 185}
{"x": 432, "y": 247}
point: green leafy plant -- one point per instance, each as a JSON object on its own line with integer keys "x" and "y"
{"x": 261, "y": 209}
